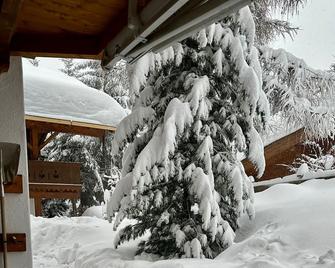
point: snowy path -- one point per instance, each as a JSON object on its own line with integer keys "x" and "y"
{"x": 294, "y": 227}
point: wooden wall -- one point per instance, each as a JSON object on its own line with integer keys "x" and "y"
{"x": 277, "y": 154}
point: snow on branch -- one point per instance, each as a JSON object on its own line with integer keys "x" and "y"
{"x": 306, "y": 96}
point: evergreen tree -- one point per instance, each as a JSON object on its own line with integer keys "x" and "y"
{"x": 114, "y": 82}
{"x": 69, "y": 67}
{"x": 196, "y": 105}
{"x": 34, "y": 62}
{"x": 269, "y": 28}
{"x": 55, "y": 208}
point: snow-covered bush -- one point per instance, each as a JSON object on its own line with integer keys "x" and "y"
{"x": 318, "y": 158}
{"x": 55, "y": 208}
{"x": 196, "y": 105}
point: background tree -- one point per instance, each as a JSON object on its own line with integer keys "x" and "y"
{"x": 34, "y": 62}
{"x": 114, "y": 82}
{"x": 88, "y": 152}
{"x": 304, "y": 96}
{"x": 268, "y": 25}
{"x": 69, "y": 67}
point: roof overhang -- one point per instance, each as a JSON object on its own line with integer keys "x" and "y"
{"x": 107, "y": 29}
{"x": 47, "y": 125}
{"x": 160, "y": 25}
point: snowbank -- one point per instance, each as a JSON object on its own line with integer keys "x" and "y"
{"x": 95, "y": 211}
{"x": 294, "y": 227}
{"x": 53, "y": 94}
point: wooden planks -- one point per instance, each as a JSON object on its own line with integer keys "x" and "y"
{"x": 277, "y": 154}
{"x": 68, "y": 28}
{"x": 54, "y": 172}
{"x": 45, "y": 124}
{"x": 70, "y": 16}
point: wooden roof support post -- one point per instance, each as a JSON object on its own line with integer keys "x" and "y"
{"x": 35, "y": 143}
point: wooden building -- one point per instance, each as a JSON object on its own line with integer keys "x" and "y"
{"x": 58, "y": 180}
{"x": 56, "y": 103}
{"x": 282, "y": 152}
{"x": 278, "y": 154}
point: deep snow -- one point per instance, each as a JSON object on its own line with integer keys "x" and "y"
{"x": 53, "y": 94}
{"x": 294, "y": 227}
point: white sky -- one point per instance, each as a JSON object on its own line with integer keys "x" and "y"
{"x": 315, "y": 42}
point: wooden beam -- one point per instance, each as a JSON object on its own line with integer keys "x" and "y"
{"x": 48, "y": 140}
{"x": 55, "y": 45}
{"x": 8, "y": 19}
{"x": 46, "y": 125}
{"x": 35, "y": 143}
{"x": 30, "y": 147}
{"x": 38, "y": 205}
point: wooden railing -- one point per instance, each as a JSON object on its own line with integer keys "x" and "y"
{"x": 54, "y": 172}
{"x": 59, "y": 180}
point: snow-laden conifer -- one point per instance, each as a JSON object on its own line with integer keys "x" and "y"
{"x": 196, "y": 105}
{"x": 303, "y": 95}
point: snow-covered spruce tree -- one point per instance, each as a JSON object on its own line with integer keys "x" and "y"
{"x": 197, "y": 104}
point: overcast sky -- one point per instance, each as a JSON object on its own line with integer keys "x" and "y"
{"x": 315, "y": 42}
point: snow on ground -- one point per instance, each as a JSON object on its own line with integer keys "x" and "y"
{"x": 95, "y": 211}
{"x": 53, "y": 94}
{"x": 294, "y": 227}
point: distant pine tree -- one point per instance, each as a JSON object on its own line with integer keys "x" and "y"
{"x": 34, "y": 62}
{"x": 196, "y": 106}
{"x": 114, "y": 82}
{"x": 69, "y": 67}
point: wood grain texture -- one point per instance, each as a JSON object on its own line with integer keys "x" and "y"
{"x": 68, "y": 16}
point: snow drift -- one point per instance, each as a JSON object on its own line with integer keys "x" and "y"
{"x": 294, "y": 227}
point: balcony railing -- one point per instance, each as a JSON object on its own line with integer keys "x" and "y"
{"x": 59, "y": 180}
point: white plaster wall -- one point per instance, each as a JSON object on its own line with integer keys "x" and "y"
{"x": 12, "y": 129}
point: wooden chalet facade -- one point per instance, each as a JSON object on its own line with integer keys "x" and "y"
{"x": 282, "y": 152}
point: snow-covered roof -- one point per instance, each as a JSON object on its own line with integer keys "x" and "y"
{"x": 53, "y": 94}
